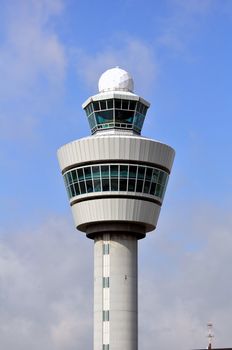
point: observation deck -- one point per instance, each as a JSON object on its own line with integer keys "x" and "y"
{"x": 116, "y": 175}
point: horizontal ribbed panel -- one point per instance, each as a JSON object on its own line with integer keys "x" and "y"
{"x": 115, "y": 147}
{"x": 116, "y": 209}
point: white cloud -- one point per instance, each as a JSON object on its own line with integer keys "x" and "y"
{"x": 30, "y": 51}
{"x": 45, "y": 277}
{"x": 131, "y": 54}
{"x": 185, "y": 281}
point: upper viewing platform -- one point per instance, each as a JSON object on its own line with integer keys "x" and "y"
{"x": 116, "y": 106}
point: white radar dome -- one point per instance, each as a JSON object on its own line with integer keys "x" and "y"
{"x": 115, "y": 79}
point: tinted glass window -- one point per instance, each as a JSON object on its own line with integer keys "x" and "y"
{"x": 117, "y": 103}
{"x": 141, "y": 171}
{"x": 125, "y": 104}
{"x": 89, "y": 186}
{"x": 109, "y": 104}
{"x": 87, "y": 172}
{"x": 97, "y": 185}
{"x": 123, "y": 184}
{"x": 105, "y": 171}
{"x": 96, "y": 106}
{"x": 123, "y": 171}
{"x": 139, "y": 186}
{"x": 77, "y": 190}
{"x": 114, "y": 184}
{"x": 132, "y": 171}
{"x": 92, "y": 121}
{"x": 132, "y": 105}
{"x": 105, "y": 185}
{"x": 74, "y": 175}
{"x": 124, "y": 116}
{"x": 104, "y": 117}
{"x": 96, "y": 171}
{"x": 114, "y": 170}
{"x": 103, "y": 104}
{"x": 148, "y": 173}
{"x": 80, "y": 174}
{"x": 116, "y": 177}
{"x": 82, "y": 187}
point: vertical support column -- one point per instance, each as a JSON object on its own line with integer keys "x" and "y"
{"x": 115, "y": 292}
{"x": 123, "y": 292}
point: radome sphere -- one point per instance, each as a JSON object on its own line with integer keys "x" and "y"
{"x": 116, "y": 79}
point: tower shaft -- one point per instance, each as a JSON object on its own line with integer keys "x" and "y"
{"x": 115, "y": 291}
{"x": 116, "y": 181}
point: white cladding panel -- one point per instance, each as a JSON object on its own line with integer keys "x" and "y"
{"x": 121, "y": 330}
{"x": 116, "y": 209}
{"x": 115, "y": 147}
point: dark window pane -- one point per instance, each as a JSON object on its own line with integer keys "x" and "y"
{"x": 109, "y": 104}
{"x": 104, "y": 117}
{"x": 97, "y": 185}
{"x": 132, "y": 171}
{"x": 87, "y": 111}
{"x": 103, "y": 104}
{"x": 138, "y": 120}
{"x": 123, "y": 185}
{"x": 153, "y": 187}
{"x": 72, "y": 190}
{"x": 77, "y": 190}
{"x": 69, "y": 178}
{"x": 80, "y": 174}
{"x": 155, "y": 175}
{"x": 132, "y": 105}
{"x": 92, "y": 121}
{"x": 148, "y": 173}
{"x": 139, "y": 186}
{"x": 96, "y": 105}
{"x": 138, "y": 106}
{"x": 87, "y": 172}
{"x": 105, "y": 171}
{"x": 124, "y": 116}
{"x": 91, "y": 107}
{"x": 89, "y": 186}
{"x": 96, "y": 172}
{"x": 114, "y": 170}
{"x": 145, "y": 111}
{"x": 141, "y": 171}
{"x": 161, "y": 179}
{"x": 117, "y": 103}
{"x": 82, "y": 187}
{"x": 114, "y": 184}
{"x": 123, "y": 171}
{"x": 131, "y": 185}
{"x": 146, "y": 186}
{"x": 158, "y": 191}
{"x": 125, "y": 104}
{"x": 105, "y": 184}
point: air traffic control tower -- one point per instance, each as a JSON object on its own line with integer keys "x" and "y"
{"x": 116, "y": 180}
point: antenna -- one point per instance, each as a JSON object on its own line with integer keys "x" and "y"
{"x": 210, "y": 335}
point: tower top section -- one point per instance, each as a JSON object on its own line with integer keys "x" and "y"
{"x": 116, "y": 79}
{"x": 116, "y": 108}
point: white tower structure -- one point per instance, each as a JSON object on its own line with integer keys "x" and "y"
{"x": 116, "y": 180}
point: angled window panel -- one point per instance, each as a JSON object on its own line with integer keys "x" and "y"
{"x": 96, "y": 172}
{"x": 97, "y": 185}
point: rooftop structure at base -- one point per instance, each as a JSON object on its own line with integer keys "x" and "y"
{"x": 116, "y": 181}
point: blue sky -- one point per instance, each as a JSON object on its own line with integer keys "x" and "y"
{"x": 52, "y": 53}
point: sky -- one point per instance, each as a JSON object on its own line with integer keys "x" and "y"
{"x": 52, "y": 53}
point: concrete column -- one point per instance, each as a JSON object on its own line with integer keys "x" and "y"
{"x": 115, "y": 292}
